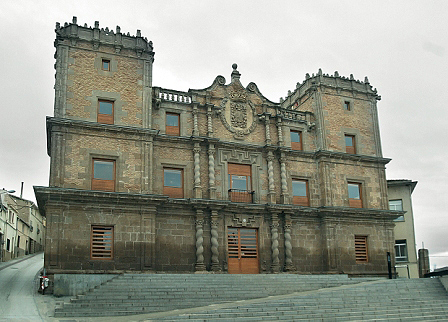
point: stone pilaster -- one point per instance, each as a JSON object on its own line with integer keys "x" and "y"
{"x": 288, "y": 245}
{"x": 214, "y": 241}
{"x": 199, "y": 241}
{"x": 197, "y": 190}
{"x": 271, "y": 193}
{"x": 275, "y": 264}
{"x": 211, "y": 171}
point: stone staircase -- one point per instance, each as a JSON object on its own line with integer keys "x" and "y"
{"x": 262, "y": 297}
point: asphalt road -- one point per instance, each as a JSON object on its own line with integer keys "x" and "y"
{"x": 18, "y": 288}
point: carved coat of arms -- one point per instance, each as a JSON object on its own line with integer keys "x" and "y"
{"x": 238, "y": 114}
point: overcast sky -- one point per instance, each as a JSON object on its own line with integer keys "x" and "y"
{"x": 400, "y": 45}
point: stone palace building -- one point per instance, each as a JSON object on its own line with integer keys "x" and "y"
{"x": 219, "y": 179}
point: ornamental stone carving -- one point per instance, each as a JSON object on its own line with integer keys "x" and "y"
{"x": 238, "y": 115}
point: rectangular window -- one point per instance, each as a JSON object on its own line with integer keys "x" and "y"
{"x": 401, "y": 252}
{"x": 102, "y": 242}
{"x": 354, "y": 195}
{"x": 240, "y": 185}
{"x": 173, "y": 183}
{"x": 105, "y": 64}
{"x": 296, "y": 140}
{"x": 350, "y": 145}
{"x": 396, "y": 205}
{"x": 105, "y": 112}
{"x": 172, "y": 124}
{"x": 361, "y": 249}
{"x": 300, "y": 193}
{"x": 103, "y": 175}
{"x": 8, "y": 244}
{"x": 347, "y": 106}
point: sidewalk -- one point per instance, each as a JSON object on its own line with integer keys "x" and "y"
{"x": 3, "y": 265}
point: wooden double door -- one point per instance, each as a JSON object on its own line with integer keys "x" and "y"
{"x": 242, "y": 251}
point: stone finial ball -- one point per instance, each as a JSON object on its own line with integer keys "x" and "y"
{"x": 234, "y": 66}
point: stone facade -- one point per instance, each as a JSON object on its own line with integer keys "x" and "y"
{"x": 222, "y": 129}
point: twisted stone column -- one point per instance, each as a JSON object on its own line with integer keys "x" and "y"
{"x": 211, "y": 171}
{"x": 271, "y": 193}
{"x": 197, "y": 172}
{"x": 195, "y": 121}
{"x": 275, "y": 265}
{"x": 209, "y": 122}
{"x": 279, "y": 131}
{"x": 284, "y": 183}
{"x": 268, "y": 131}
{"x": 288, "y": 246}
{"x": 199, "y": 241}
{"x": 214, "y": 241}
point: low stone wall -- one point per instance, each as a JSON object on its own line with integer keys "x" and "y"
{"x": 74, "y": 284}
{"x": 444, "y": 280}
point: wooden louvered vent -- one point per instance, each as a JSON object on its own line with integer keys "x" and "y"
{"x": 102, "y": 242}
{"x": 361, "y": 249}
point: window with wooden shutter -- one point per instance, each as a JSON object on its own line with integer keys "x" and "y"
{"x": 300, "y": 193}
{"x": 350, "y": 144}
{"x": 102, "y": 242}
{"x": 240, "y": 185}
{"x": 103, "y": 175}
{"x": 172, "y": 126}
{"x": 173, "y": 182}
{"x": 296, "y": 140}
{"x": 105, "y": 112}
{"x": 354, "y": 195}
{"x": 361, "y": 249}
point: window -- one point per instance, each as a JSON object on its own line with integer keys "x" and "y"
{"x": 103, "y": 175}
{"x": 361, "y": 249}
{"x": 105, "y": 64}
{"x": 11, "y": 217}
{"x": 240, "y": 185}
{"x": 347, "y": 106}
{"x": 396, "y": 205}
{"x": 350, "y": 145}
{"x": 173, "y": 183}
{"x": 8, "y": 244}
{"x": 300, "y": 193}
{"x": 296, "y": 140}
{"x": 172, "y": 124}
{"x": 354, "y": 195}
{"x": 105, "y": 112}
{"x": 401, "y": 252}
{"x": 102, "y": 242}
